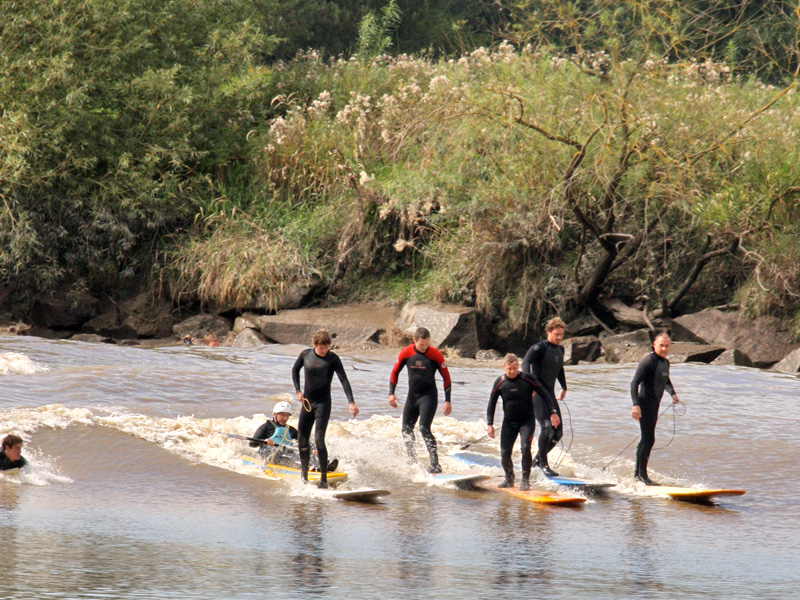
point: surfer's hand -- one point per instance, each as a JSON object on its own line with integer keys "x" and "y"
{"x": 299, "y": 396}
{"x": 353, "y": 409}
{"x": 447, "y": 408}
{"x": 490, "y": 431}
{"x": 562, "y": 395}
{"x": 270, "y": 443}
{"x": 675, "y": 398}
{"x": 636, "y": 413}
{"x": 392, "y": 400}
{"x": 555, "y": 421}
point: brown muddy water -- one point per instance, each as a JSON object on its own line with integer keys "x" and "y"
{"x": 133, "y": 493}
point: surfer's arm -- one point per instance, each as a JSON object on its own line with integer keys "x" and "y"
{"x": 262, "y": 433}
{"x": 298, "y": 364}
{"x": 339, "y": 368}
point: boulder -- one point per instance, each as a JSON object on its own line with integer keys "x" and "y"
{"x": 91, "y": 338}
{"x": 585, "y": 348}
{"x": 200, "y": 325}
{"x": 248, "y": 338}
{"x": 63, "y": 309}
{"x": 789, "y": 364}
{"x": 733, "y": 357}
{"x": 140, "y": 317}
{"x": 765, "y": 340}
{"x": 349, "y": 326}
{"x": 624, "y": 314}
{"x": 627, "y": 347}
{"x": 680, "y": 352}
{"x": 487, "y": 355}
{"x": 247, "y": 320}
{"x": 450, "y": 326}
{"x": 585, "y": 325}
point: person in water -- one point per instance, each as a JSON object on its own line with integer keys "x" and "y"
{"x": 545, "y": 362}
{"x": 318, "y": 364}
{"x": 647, "y": 388}
{"x": 517, "y": 391}
{"x": 422, "y": 360}
{"x": 11, "y": 454}
{"x": 279, "y": 440}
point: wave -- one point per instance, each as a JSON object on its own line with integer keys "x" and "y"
{"x": 18, "y": 364}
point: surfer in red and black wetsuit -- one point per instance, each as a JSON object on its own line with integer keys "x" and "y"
{"x": 422, "y": 361}
{"x": 647, "y": 387}
{"x": 319, "y": 364}
{"x": 517, "y": 390}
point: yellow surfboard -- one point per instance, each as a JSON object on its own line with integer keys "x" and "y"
{"x": 284, "y": 472}
{"x": 536, "y": 496}
{"x": 696, "y": 494}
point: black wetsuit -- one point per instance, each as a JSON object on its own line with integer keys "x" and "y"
{"x": 7, "y": 464}
{"x": 422, "y": 397}
{"x": 647, "y": 387}
{"x": 283, "y": 455}
{"x": 545, "y": 361}
{"x": 518, "y": 418}
{"x": 317, "y": 390}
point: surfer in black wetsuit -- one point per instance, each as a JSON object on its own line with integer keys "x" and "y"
{"x": 545, "y": 362}
{"x": 11, "y": 454}
{"x": 279, "y": 448}
{"x": 422, "y": 360}
{"x": 517, "y": 390}
{"x": 319, "y": 365}
{"x": 647, "y": 387}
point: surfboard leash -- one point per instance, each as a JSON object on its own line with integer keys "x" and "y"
{"x": 571, "y": 437}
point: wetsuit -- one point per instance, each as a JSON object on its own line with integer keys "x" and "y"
{"x": 282, "y": 453}
{"x": 518, "y": 419}
{"x": 7, "y": 464}
{"x": 545, "y": 361}
{"x": 422, "y": 396}
{"x": 319, "y": 372}
{"x": 647, "y": 387}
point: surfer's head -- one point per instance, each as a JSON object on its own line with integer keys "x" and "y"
{"x": 511, "y": 365}
{"x": 281, "y": 413}
{"x": 661, "y": 345}
{"x": 554, "y": 329}
{"x": 422, "y": 340}
{"x": 12, "y": 446}
{"x": 321, "y": 342}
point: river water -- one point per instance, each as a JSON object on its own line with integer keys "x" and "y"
{"x": 133, "y": 492}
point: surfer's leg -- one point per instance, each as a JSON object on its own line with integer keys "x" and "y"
{"x": 322, "y": 416}
{"x": 647, "y": 425}
{"x": 525, "y": 440}
{"x": 304, "y": 424}
{"x": 410, "y": 417}
{"x": 427, "y": 410}
{"x": 546, "y": 431}
{"x": 558, "y": 432}
{"x": 508, "y": 435}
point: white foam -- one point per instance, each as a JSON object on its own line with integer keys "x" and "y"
{"x": 19, "y": 364}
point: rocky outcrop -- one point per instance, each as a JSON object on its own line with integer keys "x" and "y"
{"x": 139, "y": 317}
{"x": 583, "y": 326}
{"x": 201, "y": 325}
{"x": 627, "y": 347}
{"x": 694, "y": 353}
{"x": 764, "y": 340}
{"x": 63, "y": 309}
{"x": 733, "y": 357}
{"x": 624, "y": 314}
{"x": 247, "y": 320}
{"x": 91, "y": 338}
{"x": 585, "y": 348}
{"x": 487, "y": 355}
{"x": 349, "y": 326}
{"x": 789, "y": 364}
{"x": 247, "y": 338}
{"x": 450, "y": 326}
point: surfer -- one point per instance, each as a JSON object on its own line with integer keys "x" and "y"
{"x": 517, "y": 390}
{"x": 318, "y": 364}
{"x": 545, "y": 362}
{"x": 11, "y": 454}
{"x": 422, "y": 360}
{"x": 280, "y": 437}
{"x": 647, "y": 387}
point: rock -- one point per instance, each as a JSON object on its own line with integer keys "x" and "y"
{"x": 733, "y": 357}
{"x": 92, "y": 338}
{"x": 581, "y": 349}
{"x": 765, "y": 340}
{"x": 628, "y": 347}
{"x": 140, "y": 317}
{"x": 200, "y": 325}
{"x": 248, "y": 320}
{"x": 348, "y": 326}
{"x": 486, "y": 355}
{"x": 63, "y": 309}
{"x": 48, "y": 334}
{"x": 450, "y": 326}
{"x": 680, "y": 352}
{"x": 789, "y": 364}
{"x": 247, "y": 338}
{"x": 585, "y": 325}
{"x": 624, "y": 314}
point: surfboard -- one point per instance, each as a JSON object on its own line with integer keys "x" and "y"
{"x": 357, "y": 495}
{"x": 460, "y": 479}
{"x": 475, "y": 459}
{"x": 285, "y": 472}
{"x": 692, "y": 494}
{"x": 535, "y": 496}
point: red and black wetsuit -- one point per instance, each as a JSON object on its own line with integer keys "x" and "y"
{"x": 518, "y": 418}
{"x": 319, "y": 372}
{"x": 647, "y": 387}
{"x": 545, "y": 362}
{"x": 422, "y": 397}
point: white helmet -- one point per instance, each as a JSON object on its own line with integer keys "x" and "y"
{"x": 282, "y": 407}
